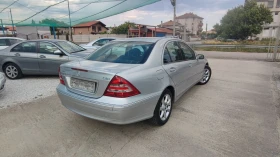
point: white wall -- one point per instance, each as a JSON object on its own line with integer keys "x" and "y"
{"x": 87, "y": 38}
{"x": 192, "y": 24}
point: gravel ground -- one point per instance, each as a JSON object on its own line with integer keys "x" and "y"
{"x": 233, "y": 115}
{"x": 27, "y": 89}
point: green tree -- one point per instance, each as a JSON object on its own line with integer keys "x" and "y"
{"x": 244, "y": 21}
{"x": 54, "y": 23}
{"x": 123, "y": 28}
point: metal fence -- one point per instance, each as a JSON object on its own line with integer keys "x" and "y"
{"x": 269, "y": 49}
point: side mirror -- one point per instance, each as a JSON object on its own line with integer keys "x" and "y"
{"x": 200, "y": 56}
{"x": 57, "y": 52}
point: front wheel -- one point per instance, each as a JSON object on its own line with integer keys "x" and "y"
{"x": 12, "y": 71}
{"x": 163, "y": 109}
{"x": 206, "y": 76}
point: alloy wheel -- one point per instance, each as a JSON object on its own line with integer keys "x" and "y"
{"x": 12, "y": 71}
{"x": 165, "y": 107}
{"x": 206, "y": 76}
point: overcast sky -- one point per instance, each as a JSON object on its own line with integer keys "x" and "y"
{"x": 211, "y": 10}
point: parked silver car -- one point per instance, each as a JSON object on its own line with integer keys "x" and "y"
{"x": 93, "y": 45}
{"x": 2, "y": 82}
{"x": 8, "y": 41}
{"x": 38, "y": 57}
{"x": 130, "y": 80}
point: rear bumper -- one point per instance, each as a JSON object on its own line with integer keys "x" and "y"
{"x": 109, "y": 109}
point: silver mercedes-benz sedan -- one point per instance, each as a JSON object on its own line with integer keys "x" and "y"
{"x": 130, "y": 80}
{"x": 39, "y": 57}
{"x": 2, "y": 82}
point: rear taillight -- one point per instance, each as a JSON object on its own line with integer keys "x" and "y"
{"x": 120, "y": 88}
{"x": 60, "y": 77}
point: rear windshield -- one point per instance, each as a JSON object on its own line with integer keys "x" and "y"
{"x": 128, "y": 52}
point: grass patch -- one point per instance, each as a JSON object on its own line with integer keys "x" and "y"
{"x": 238, "y": 49}
{"x": 243, "y": 42}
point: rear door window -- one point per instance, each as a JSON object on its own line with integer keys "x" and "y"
{"x": 128, "y": 52}
{"x": 174, "y": 51}
{"x": 25, "y": 47}
{"x": 187, "y": 51}
{"x": 166, "y": 57}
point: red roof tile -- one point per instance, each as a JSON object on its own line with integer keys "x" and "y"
{"x": 164, "y": 30}
{"x": 10, "y": 28}
{"x": 188, "y": 15}
{"x": 88, "y": 24}
{"x": 169, "y": 23}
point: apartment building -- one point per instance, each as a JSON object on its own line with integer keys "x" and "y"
{"x": 269, "y": 30}
{"x": 191, "y": 21}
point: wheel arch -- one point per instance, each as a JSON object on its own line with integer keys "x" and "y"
{"x": 172, "y": 90}
{"x": 8, "y": 62}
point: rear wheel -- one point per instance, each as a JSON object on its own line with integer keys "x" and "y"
{"x": 206, "y": 76}
{"x": 12, "y": 71}
{"x": 163, "y": 109}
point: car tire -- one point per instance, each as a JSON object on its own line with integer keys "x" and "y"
{"x": 162, "y": 111}
{"x": 12, "y": 71}
{"x": 206, "y": 76}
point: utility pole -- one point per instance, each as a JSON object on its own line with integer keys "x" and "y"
{"x": 185, "y": 29}
{"x": 2, "y": 27}
{"x": 70, "y": 29}
{"x": 12, "y": 22}
{"x": 173, "y": 2}
{"x": 206, "y": 30}
{"x": 274, "y": 56}
{"x": 276, "y": 44}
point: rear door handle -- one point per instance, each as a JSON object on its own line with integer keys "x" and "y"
{"x": 42, "y": 56}
{"x": 17, "y": 54}
{"x": 172, "y": 69}
{"x": 190, "y": 65}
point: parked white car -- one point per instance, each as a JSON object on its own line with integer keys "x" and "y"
{"x": 2, "y": 82}
{"x": 97, "y": 43}
{"x": 8, "y": 41}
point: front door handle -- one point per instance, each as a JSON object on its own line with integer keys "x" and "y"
{"x": 17, "y": 54}
{"x": 190, "y": 65}
{"x": 42, "y": 56}
{"x": 172, "y": 69}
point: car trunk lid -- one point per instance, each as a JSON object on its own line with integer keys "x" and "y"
{"x": 91, "y": 78}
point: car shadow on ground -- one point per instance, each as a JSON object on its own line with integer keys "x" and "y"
{"x": 38, "y": 76}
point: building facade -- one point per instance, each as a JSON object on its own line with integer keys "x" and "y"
{"x": 270, "y": 30}
{"x": 189, "y": 22}
{"x": 93, "y": 27}
{"x": 192, "y": 22}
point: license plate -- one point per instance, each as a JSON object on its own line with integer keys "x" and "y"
{"x": 83, "y": 85}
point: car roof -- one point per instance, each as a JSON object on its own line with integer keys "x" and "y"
{"x": 12, "y": 38}
{"x": 146, "y": 39}
{"x": 50, "y": 40}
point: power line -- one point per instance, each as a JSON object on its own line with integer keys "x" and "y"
{"x": 9, "y": 6}
{"x": 87, "y": 4}
{"x": 102, "y": 11}
{"x": 42, "y": 11}
{"x": 30, "y": 9}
